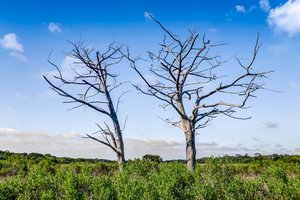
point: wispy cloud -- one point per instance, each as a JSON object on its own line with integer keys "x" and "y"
{"x": 255, "y": 139}
{"x": 240, "y": 9}
{"x": 286, "y": 17}
{"x": 147, "y": 15}
{"x": 260, "y": 146}
{"x": 68, "y": 68}
{"x": 271, "y": 124}
{"x": 21, "y": 96}
{"x": 297, "y": 150}
{"x": 18, "y": 55}
{"x": 278, "y": 145}
{"x": 294, "y": 85}
{"x": 10, "y": 42}
{"x": 264, "y": 5}
{"x": 54, "y": 27}
{"x": 73, "y": 145}
{"x": 252, "y": 7}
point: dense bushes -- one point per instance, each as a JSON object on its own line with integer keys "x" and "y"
{"x": 47, "y": 178}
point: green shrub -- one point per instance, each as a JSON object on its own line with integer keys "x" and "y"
{"x": 152, "y": 158}
{"x": 31, "y": 176}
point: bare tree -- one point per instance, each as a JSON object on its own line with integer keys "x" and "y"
{"x": 187, "y": 81}
{"x": 96, "y": 83}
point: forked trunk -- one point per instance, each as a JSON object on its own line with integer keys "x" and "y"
{"x": 190, "y": 145}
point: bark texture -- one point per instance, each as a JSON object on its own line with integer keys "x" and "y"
{"x": 190, "y": 145}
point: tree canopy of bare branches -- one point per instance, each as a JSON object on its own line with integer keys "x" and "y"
{"x": 187, "y": 81}
{"x": 93, "y": 77}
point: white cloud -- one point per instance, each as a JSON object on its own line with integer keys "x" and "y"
{"x": 72, "y": 144}
{"x": 253, "y": 7}
{"x": 294, "y": 85}
{"x": 54, "y": 27}
{"x": 255, "y": 139}
{"x": 22, "y": 96}
{"x": 240, "y": 9}
{"x": 10, "y": 41}
{"x": 265, "y": 5}
{"x": 271, "y": 124}
{"x": 278, "y": 145}
{"x": 69, "y": 68}
{"x": 147, "y": 16}
{"x": 68, "y": 63}
{"x": 286, "y": 17}
{"x": 18, "y": 55}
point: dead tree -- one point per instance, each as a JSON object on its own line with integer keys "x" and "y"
{"x": 187, "y": 82}
{"x": 96, "y": 83}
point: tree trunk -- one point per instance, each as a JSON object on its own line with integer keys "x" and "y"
{"x": 119, "y": 140}
{"x": 120, "y": 149}
{"x": 190, "y": 145}
{"x": 117, "y": 133}
{"x": 189, "y": 132}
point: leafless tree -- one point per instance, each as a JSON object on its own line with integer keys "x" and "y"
{"x": 92, "y": 76}
{"x": 187, "y": 81}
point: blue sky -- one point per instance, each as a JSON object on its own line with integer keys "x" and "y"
{"x": 33, "y": 117}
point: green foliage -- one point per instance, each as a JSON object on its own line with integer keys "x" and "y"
{"x": 152, "y": 158}
{"x": 35, "y": 176}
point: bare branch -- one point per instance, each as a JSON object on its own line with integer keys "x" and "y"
{"x": 92, "y": 75}
{"x": 166, "y": 31}
{"x": 65, "y": 94}
{"x": 102, "y": 142}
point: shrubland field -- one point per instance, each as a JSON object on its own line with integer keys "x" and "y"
{"x": 37, "y": 176}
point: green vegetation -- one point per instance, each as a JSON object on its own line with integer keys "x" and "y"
{"x": 36, "y": 176}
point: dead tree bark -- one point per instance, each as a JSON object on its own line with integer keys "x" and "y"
{"x": 97, "y": 83}
{"x": 185, "y": 73}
